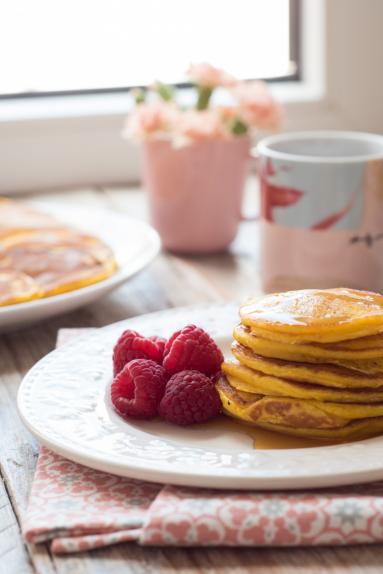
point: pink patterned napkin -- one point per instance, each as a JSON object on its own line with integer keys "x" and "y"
{"x": 77, "y": 509}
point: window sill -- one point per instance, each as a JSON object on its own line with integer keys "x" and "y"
{"x": 58, "y": 142}
{"x": 119, "y": 104}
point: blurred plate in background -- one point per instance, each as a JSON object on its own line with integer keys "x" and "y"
{"x": 135, "y": 245}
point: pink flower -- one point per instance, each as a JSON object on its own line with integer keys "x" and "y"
{"x": 151, "y": 120}
{"x": 208, "y": 76}
{"x": 193, "y": 125}
{"x": 227, "y": 113}
{"x": 257, "y": 107}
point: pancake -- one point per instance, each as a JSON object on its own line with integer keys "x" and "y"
{"x": 254, "y": 408}
{"x": 365, "y": 360}
{"x": 372, "y": 343}
{"x": 367, "y": 366}
{"x": 293, "y": 412}
{"x": 315, "y": 315}
{"x": 355, "y": 430}
{"x": 244, "y": 379}
{"x": 57, "y": 260}
{"x": 308, "y": 363}
{"x": 16, "y": 287}
{"x": 318, "y": 373}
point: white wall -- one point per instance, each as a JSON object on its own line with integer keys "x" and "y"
{"x": 343, "y": 46}
{"x": 354, "y": 61}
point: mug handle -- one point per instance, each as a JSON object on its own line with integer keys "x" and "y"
{"x": 253, "y": 156}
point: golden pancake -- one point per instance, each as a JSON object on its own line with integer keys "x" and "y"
{"x": 367, "y": 366}
{"x": 318, "y": 373}
{"x": 372, "y": 343}
{"x": 308, "y": 363}
{"x": 316, "y": 315}
{"x": 249, "y": 407}
{"x": 308, "y": 352}
{"x": 16, "y": 287}
{"x": 58, "y": 260}
{"x": 355, "y": 430}
{"x": 293, "y": 411}
{"x": 244, "y": 379}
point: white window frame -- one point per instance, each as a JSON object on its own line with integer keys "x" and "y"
{"x": 72, "y": 141}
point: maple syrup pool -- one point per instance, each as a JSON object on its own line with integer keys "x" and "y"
{"x": 224, "y": 433}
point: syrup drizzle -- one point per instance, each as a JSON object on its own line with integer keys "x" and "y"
{"x": 263, "y": 439}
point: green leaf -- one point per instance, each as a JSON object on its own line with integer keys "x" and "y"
{"x": 139, "y": 95}
{"x": 165, "y": 92}
{"x": 204, "y": 95}
{"x": 238, "y": 127}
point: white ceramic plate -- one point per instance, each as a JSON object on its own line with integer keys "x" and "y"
{"x": 64, "y": 402}
{"x": 135, "y": 245}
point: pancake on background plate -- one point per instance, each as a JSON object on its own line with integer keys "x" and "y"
{"x": 308, "y": 363}
{"x": 41, "y": 257}
{"x": 16, "y": 287}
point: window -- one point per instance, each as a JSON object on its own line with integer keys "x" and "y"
{"x": 61, "y": 46}
{"x": 78, "y": 57}
{"x": 89, "y": 51}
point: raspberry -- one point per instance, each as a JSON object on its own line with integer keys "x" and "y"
{"x": 192, "y": 349}
{"x": 190, "y": 397}
{"x": 131, "y": 345}
{"x": 138, "y": 389}
{"x": 160, "y": 342}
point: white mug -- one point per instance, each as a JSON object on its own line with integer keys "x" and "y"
{"x": 321, "y": 210}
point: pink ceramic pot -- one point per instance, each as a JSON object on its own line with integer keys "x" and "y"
{"x": 195, "y": 192}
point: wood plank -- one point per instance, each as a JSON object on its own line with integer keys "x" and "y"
{"x": 129, "y": 200}
{"x": 41, "y": 559}
{"x": 131, "y": 559}
{"x": 233, "y": 277}
{"x": 127, "y": 559}
{"x": 18, "y": 450}
{"x": 14, "y": 558}
{"x": 183, "y": 283}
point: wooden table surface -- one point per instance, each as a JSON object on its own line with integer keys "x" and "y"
{"x": 170, "y": 281}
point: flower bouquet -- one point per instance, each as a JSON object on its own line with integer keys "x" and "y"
{"x": 195, "y": 158}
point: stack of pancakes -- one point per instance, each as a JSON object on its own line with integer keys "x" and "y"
{"x": 40, "y": 257}
{"x": 308, "y": 363}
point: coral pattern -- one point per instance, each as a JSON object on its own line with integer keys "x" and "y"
{"x": 273, "y": 195}
{"x": 284, "y": 185}
{"x": 77, "y": 509}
